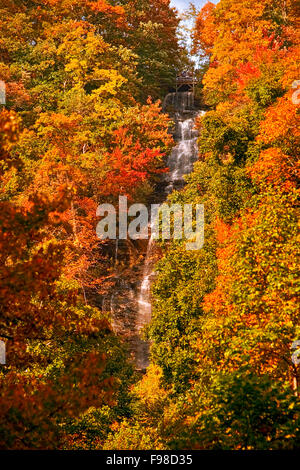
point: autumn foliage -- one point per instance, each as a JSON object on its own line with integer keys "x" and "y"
{"x": 83, "y": 124}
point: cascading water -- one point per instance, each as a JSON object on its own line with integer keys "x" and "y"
{"x": 145, "y": 306}
{"x": 184, "y": 155}
{"x": 130, "y": 298}
{"x": 180, "y": 163}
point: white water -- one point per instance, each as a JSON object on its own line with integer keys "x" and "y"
{"x": 180, "y": 163}
{"x": 184, "y": 154}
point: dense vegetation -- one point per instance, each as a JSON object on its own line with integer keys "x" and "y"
{"x": 78, "y": 127}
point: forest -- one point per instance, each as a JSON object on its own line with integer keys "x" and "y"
{"x": 82, "y": 121}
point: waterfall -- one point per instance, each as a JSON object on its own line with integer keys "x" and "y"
{"x": 183, "y": 155}
{"x": 144, "y": 308}
{"x": 129, "y": 300}
{"x": 180, "y": 163}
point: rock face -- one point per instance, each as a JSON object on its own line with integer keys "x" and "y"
{"x": 130, "y": 299}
